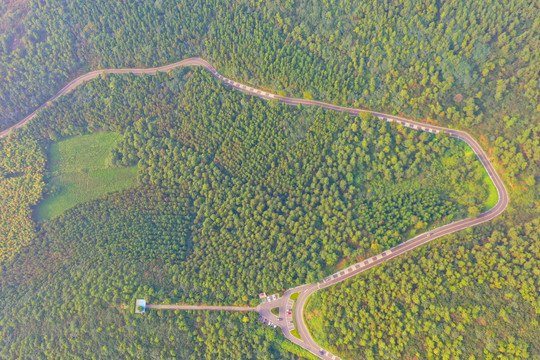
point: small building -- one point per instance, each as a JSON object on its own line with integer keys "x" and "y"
{"x": 262, "y": 295}
{"x": 140, "y": 306}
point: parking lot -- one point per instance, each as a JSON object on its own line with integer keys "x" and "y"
{"x": 266, "y": 321}
{"x": 288, "y": 316}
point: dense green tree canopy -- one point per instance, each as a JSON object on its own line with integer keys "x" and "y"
{"x": 237, "y": 195}
{"x": 472, "y": 300}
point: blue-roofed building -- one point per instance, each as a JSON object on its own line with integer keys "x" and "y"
{"x": 140, "y": 306}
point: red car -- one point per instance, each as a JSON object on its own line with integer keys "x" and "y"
{"x": 289, "y": 313}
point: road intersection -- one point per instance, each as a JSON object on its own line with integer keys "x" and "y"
{"x": 284, "y": 321}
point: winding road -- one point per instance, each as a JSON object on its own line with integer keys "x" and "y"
{"x": 307, "y": 290}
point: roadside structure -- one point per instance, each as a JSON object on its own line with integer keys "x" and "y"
{"x": 140, "y": 306}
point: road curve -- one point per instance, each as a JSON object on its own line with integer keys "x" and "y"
{"x": 94, "y": 74}
{"x": 307, "y": 290}
{"x": 407, "y": 246}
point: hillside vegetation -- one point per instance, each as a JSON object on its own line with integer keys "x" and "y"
{"x": 79, "y": 170}
{"x": 22, "y": 163}
{"x": 470, "y": 64}
{"x": 236, "y": 195}
{"x": 459, "y": 298}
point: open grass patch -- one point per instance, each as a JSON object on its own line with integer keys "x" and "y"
{"x": 77, "y": 171}
{"x": 295, "y": 349}
{"x": 492, "y": 196}
{"x": 275, "y": 311}
{"x": 296, "y": 333}
{"x": 295, "y": 296}
{"x": 314, "y": 319}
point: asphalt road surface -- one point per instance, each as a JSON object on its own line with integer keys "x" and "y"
{"x": 201, "y": 307}
{"x": 307, "y": 290}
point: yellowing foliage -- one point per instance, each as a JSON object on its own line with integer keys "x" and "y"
{"x": 21, "y": 185}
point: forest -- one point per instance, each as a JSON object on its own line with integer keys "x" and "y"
{"x": 22, "y": 163}
{"x": 466, "y": 63}
{"x": 469, "y": 296}
{"x": 234, "y": 192}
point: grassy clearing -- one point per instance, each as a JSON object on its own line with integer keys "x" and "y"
{"x": 313, "y": 319}
{"x": 275, "y": 311}
{"x": 492, "y": 195}
{"x": 78, "y": 172}
{"x": 294, "y": 296}
{"x": 295, "y": 349}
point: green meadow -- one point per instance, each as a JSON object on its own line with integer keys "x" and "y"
{"x": 77, "y": 171}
